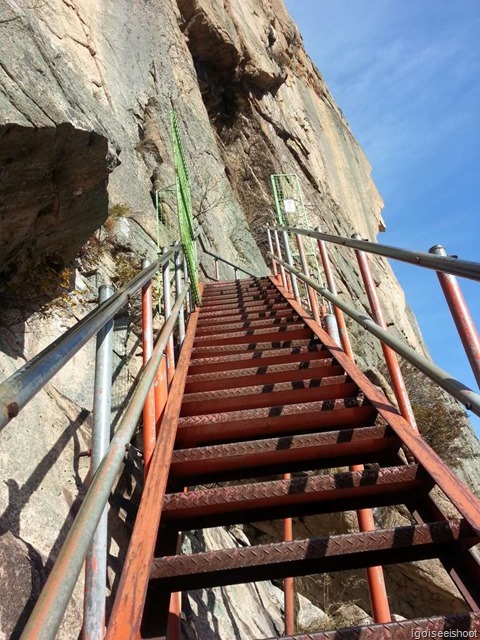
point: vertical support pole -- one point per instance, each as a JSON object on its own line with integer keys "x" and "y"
{"x": 289, "y": 259}
{"x": 178, "y": 289}
{"x": 186, "y": 278}
{"x": 288, "y": 591}
{"x": 270, "y": 248}
{"x": 460, "y": 314}
{"x": 390, "y": 356}
{"x": 279, "y": 255}
{"x": 167, "y": 310}
{"x": 96, "y": 561}
{"x": 312, "y": 296}
{"x": 235, "y": 273}
{"x": 341, "y": 325}
{"x": 149, "y": 430}
{"x": 217, "y": 270}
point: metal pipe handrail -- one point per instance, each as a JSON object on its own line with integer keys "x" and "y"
{"x": 17, "y": 390}
{"x": 445, "y": 264}
{"x": 451, "y": 385}
{"x": 217, "y": 257}
{"x": 50, "y": 607}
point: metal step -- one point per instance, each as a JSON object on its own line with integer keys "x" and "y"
{"x": 260, "y": 308}
{"x": 404, "y": 630}
{"x": 261, "y": 358}
{"x": 242, "y": 305}
{"x": 259, "y": 397}
{"x": 232, "y": 327}
{"x": 304, "y": 495}
{"x": 219, "y": 350}
{"x": 278, "y": 455}
{"x": 306, "y": 557}
{"x": 290, "y": 372}
{"x": 266, "y": 333}
{"x": 273, "y": 421}
{"x": 247, "y": 317}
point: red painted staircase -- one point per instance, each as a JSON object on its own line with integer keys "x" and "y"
{"x": 260, "y": 391}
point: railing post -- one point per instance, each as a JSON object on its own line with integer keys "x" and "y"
{"x": 398, "y": 382}
{"x": 149, "y": 430}
{"x": 279, "y": 254}
{"x": 96, "y": 560}
{"x": 461, "y": 314}
{"x": 270, "y": 248}
{"x": 235, "y": 273}
{"x": 288, "y": 590}
{"x": 312, "y": 296}
{"x": 217, "y": 270}
{"x": 289, "y": 260}
{"x": 167, "y": 310}
{"x": 178, "y": 288}
{"x": 341, "y": 325}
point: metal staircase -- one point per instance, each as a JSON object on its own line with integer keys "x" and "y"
{"x": 265, "y": 392}
{"x": 252, "y": 415}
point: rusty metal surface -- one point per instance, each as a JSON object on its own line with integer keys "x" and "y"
{"x": 247, "y": 324}
{"x": 318, "y": 445}
{"x": 127, "y": 610}
{"x": 228, "y": 337}
{"x": 328, "y": 493}
{"x": 258, "y": 397}
{"x": 261, "y": 423}
{"x": 252, "y": 346}
{"x": 246, "y": 317}
{"x": 403, "y": 630}
{"x": 292, "y": 332}
{"x": 258, "y": 357}
{"x": 242, "y": 303}
{"x": 262, "y": 375}
{"x": 461, "y": 497}
{"x": 257, "y": 308}
{"x": 306, "y": 557}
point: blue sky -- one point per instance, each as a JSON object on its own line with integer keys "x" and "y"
{"x": 406, "y": 74}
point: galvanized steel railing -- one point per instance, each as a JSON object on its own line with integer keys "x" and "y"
{"x": 218, "y": 258}
{"x": 150, "y": 396}
{"x": 446, "y": 268}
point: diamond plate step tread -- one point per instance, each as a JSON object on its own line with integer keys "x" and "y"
{"x": 247, "y": 317}
{"x": 245, "y": 398}
{"x": 403, "y": 630}
{"x": 262, "y": 454}
{"x": 305, "y": 495}
{"x": 228, "y": 313}
{"x": 273, "y": 421}
{"x": 261, "y": 375}
{"x": 243, "y": 305}
{"x": 254, "y": 346}
{"x": 306, "y": 557}
{"x": 275, "y": 331}
{"x": 265, "y": 357}
{"x": 246, "y": 325}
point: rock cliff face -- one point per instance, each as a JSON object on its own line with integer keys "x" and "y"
{"x": 85, "y": 93}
